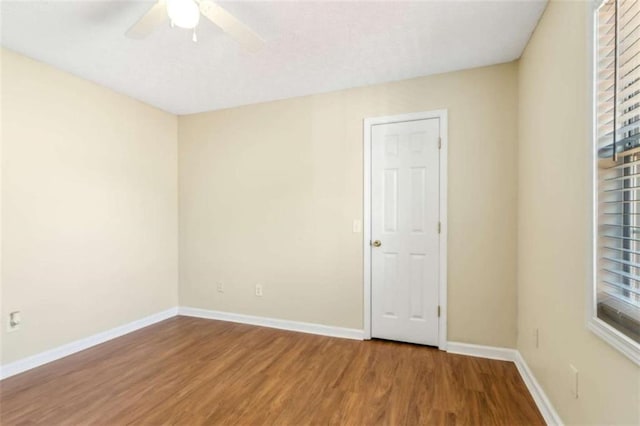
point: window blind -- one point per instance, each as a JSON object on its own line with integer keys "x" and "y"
{"x": 618, "y": 150}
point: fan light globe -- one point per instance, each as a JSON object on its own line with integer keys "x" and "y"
{"x": 183, "y": 13}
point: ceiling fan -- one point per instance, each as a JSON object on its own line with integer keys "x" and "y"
{"x": 186, "y": 14}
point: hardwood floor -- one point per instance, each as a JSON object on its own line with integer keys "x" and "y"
{"x": 193, "y": 371}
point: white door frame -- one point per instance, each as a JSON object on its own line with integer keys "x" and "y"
{"x": 442, "y": 287}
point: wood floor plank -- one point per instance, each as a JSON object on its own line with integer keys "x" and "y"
{"x": 190, "y": 371}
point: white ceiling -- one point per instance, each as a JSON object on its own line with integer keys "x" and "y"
{"x": 311, "y": 47}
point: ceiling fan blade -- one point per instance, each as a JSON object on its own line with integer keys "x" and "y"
{"x": 150, "y": 21}
{"x": 248, "y": 39}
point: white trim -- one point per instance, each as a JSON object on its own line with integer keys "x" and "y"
{"x": 600, "y": 328}
{"x": 490, "y": 352}
{"x": 444, "y": 231}
{"x": 366, "y": 208}
{"x": 593, "y": 171}
{"x": 614, "y": 338}
{"x": 366, "y": 242}
{"x": 504, "y": 354}
{"x": 551, "y": 416}
{"x": 549, "y": 413}
{"x": 54, "y": 354}
{"x": 303, "y": 327}
{"x": 37, "y": 360}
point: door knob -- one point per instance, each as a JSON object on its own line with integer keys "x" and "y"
{"x": 376, "y": 243}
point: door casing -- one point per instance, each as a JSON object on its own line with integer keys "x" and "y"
{"x": 442, "y": 285}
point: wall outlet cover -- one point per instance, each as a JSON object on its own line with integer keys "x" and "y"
{"x": 14, "y": 321}
{"x": 573, "y": 379}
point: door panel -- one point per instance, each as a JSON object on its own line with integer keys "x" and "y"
{"x": 405, "y": 214}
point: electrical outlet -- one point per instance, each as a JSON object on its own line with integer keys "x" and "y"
{"x": 15, "y": 318}
{"x": 220, "y": 287}
{"x": 573, "y": 379}
{"x": 259, "y": 290}
{"x": 536, "y": 337}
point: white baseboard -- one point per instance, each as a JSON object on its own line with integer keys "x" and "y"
{"x": 490, "y": 352}
{"x": 42, "y": 358}
{"x": 303, "y": 327}
{"x": 70, "y": 348}
{"x": 542, "y": 401}
{"x": 505, "y": 354}
{"x": 549, "y": 413}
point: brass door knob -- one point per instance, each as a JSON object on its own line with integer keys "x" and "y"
{"x": 376, "y": 243}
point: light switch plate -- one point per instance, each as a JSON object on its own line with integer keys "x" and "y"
{"x": 357, "y": 226}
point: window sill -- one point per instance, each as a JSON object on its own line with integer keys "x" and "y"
{"x": 616, "y": 339}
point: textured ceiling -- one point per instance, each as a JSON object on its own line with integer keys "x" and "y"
{"x": 311, "y": 47}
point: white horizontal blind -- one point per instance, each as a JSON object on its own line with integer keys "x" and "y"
{"x": 618, "y": 150}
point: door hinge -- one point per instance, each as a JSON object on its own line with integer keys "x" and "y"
{"x": 439, "y": 227}
{"x": 439, "y": 142}
{"x": 438, "y": 311}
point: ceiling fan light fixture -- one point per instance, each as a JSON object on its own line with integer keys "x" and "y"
{"x": 183, "y": 13}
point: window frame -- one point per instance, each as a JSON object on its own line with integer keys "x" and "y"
{"x": 600, "y": 328}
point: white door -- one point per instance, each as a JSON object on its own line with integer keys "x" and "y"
{"x": 405, "y": 231}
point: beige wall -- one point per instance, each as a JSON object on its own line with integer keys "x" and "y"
{"x": 2, "y": 324}
{"x": 554, "y": 232}
{"x": 268, "y": 194}
{"x": 89, "y": 212}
